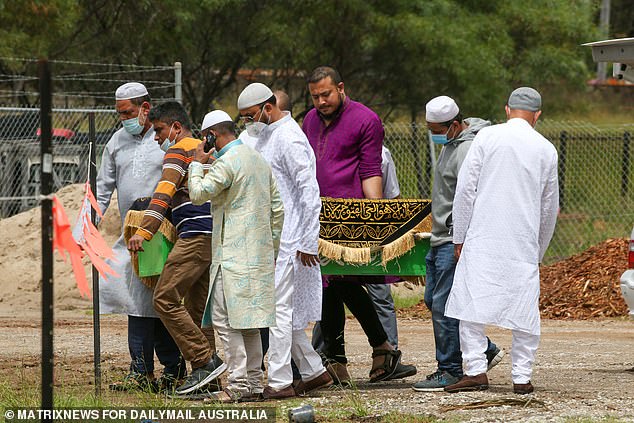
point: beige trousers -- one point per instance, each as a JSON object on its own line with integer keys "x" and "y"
{"x": 242, "y": 347}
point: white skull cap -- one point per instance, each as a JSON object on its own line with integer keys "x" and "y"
{"x": 130, "y": 90}
{"x": 441, "y": 109}
{"x": 256, "y": 93}
{"x": 214, "y": 118}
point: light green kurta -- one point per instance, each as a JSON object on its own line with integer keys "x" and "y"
{"x": 247, "y": 223}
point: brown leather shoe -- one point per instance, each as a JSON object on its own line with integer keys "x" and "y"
{"x": 339, "y": 373}
{"x": 324, "y": 380}
{"x": 470, "y": 383}
{"x": 272, "y": 393}
{"x": 523, "y": 388}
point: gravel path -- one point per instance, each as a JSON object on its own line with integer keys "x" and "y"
{"x": 581, "y": 371}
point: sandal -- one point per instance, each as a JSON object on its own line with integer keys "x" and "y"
{"x": 389, "y": 365}
{"x": 226, "y": 396}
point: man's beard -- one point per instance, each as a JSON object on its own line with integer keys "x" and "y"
{"x": 330, "y": 116}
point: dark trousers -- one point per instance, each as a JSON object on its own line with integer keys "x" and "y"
{"x": 146, "y": 335}
{"x": 349, "y": 291}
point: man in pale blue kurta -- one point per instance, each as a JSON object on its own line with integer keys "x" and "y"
{"x": 131, "y": 164}
{"x": 248, "y": 216}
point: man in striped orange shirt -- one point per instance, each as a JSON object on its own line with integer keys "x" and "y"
{"x": 186, "y": 272}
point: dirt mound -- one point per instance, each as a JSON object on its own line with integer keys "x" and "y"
{"x": 587, "y": 285}
{"x": 21, "y": 259}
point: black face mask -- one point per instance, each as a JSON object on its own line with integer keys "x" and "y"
{"x": 210, "y": 142}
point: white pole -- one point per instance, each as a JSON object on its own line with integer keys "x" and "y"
{"x": 604, "y": 29}
{"x": 178, "y": 82}
{"x": 432, "y": 154}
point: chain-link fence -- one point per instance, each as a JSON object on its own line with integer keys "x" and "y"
{"x": 20, "y": 151}
{"x": 595, "y": 176}
{"x": 595, "y": 168}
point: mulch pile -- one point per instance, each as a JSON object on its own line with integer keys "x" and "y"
{"x": 585, "y": 286}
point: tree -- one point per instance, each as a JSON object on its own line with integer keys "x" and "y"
{"x": 394, "y": 56}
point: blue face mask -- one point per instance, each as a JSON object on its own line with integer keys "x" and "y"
{"x": 441, "y": 139}
{"x": 132, "y": 125}
{"x": 438, "y": 138}
{"x": 167, "y": 143}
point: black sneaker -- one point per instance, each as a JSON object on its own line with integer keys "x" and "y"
{"x": 202, "y": 376}
{"x": 403, "y": 371}
{"x": 494, "y": 358}
{"x": 168, "y": 383}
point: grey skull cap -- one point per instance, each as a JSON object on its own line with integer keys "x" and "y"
{"x": 525, "y": 98}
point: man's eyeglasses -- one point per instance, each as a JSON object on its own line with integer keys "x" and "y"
{"x": 251, "y": 118}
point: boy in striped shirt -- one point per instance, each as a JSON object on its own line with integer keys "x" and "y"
{"x": 186, "y": 272}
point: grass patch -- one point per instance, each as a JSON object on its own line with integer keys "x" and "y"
{"x": 403, "y": 300}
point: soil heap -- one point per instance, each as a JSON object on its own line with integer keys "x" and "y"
{"x": 21, "y": 258}
{"x": 586, "y": 285}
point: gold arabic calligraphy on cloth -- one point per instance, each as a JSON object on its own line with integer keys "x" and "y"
{"x": 362, "y": 222}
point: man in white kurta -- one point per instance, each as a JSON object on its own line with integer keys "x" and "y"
{"x": 131, "y": 164}
{"x": 297, "y": 274}
{"x": 504, "y": 216}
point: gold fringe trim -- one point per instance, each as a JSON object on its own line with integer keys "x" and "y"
{"x": 357, "y": 255}
{"x": 337, "y": 252}
{"x": 330, "y": 250}
{"x": 132, "y": 222}
{"x": 397, "y": 248}
{"x": 424, "y": 225}
{"x": 405, "y": 243}
{"x": 389, "y": 252}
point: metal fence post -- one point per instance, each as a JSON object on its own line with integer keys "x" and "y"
{"x": 178, "y": 82}
{"x": 416, "y": 153}
{"x": 625, "y": 165}
{"x": 46, "y": 188}
{"x": 563, "y": 147}
{"x": 92, "y": 172}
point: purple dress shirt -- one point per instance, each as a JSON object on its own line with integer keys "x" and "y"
{"x": 347, "y": 151}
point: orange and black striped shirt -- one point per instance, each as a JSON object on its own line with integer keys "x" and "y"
{"x": 171, "y": 191}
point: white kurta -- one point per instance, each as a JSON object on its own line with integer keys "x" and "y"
{"x": 391, "y": 188}
{"x": 504, "y": 213}
{"x": 132, "y": 165}
{"x": 285, "y": 147}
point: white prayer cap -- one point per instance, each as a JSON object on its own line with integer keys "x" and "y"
{"x": 256, "y": 93}
{"x": 130, "y": 90}
{"x": 214, "y": 118}
{"x": 525, "y": 98}
{"x": 441, "y": 109}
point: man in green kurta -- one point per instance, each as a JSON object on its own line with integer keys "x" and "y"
{"x": 247, "y": 223}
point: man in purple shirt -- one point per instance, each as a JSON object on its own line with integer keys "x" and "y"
{"x": 347, "y": 138}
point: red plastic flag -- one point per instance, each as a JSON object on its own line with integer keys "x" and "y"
{"x": 64, "y": 242}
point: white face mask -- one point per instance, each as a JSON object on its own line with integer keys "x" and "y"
{"x": 165, "y": 145}
{"x": 254, "y": 129}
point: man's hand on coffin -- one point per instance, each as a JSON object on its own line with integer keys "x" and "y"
{"x": 308, "y": 259}
{"x": 135, "y": 243}
{"x": 457, "y": 249}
